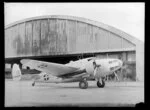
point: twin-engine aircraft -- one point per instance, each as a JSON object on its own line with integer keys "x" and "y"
{"x": 75, "y": 71}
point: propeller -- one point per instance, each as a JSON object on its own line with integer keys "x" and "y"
{"x": 95, "y": 67}
{"x": 123, "y": 67}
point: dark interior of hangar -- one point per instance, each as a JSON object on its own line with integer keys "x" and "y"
{"x": 62, "y": 59}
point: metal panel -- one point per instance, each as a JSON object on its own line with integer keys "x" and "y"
{"x": 96, "y": 38}
{"x": 45, "y": 40}
{"x": 28, "y": 38}
{"x": 16, "y": 41}
{"x": 114, "y": 41}
{"x": 21, "y": 36}
{"x": 127, "y": 44}
{"x": 86, "y": 38}
{"x": 62, "y": 36}
{"x": 71, "y": 28}
{"x": 89, "y": 38}
{"x": 80, "y": 37}
{"x": 9, "y": 48}
{"x": 52, "y": 37}
{"x": 103, "y": 39}
{"x": 7, "y": 42}
{"x": 12, "y": 48}
{"x": 36, "y": 38}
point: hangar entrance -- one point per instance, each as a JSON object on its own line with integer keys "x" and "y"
{"x": 63, "y": 59}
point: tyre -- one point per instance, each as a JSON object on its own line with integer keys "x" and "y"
{"x": 83, "y": 84}
{"x": 101, "y": 85}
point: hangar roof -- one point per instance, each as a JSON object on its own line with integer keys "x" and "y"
{"x": 84, "y": 20}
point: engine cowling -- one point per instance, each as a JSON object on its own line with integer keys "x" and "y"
{"x": 92, "y": 68}
{"x": 89, "y": 68}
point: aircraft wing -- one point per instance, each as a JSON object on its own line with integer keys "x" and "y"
{"x": 51, "y": 68}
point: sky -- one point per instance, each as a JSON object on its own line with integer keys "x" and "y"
{"x": 128, "y": 17}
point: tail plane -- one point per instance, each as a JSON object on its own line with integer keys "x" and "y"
{"x": 16, "y": 72}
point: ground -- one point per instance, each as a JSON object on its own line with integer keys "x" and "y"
{"x": 69, "y": 94}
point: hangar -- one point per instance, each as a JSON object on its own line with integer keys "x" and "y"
{"x": 61, "y": 36}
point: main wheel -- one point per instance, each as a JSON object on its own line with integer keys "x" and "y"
{"x": 83, "y": 84}
{"x": 101, "y": 85}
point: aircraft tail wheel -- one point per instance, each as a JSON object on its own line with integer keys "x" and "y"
{"x": 83, "y": 84}
{"x": 33, "y": 84}
{"x": 101, "y": 85}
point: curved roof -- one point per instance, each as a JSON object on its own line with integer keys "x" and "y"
{"x": 84, "y": 20}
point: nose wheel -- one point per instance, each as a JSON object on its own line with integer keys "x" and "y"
{"x": 83, "y": 84}
{"x": 101, "y": 83}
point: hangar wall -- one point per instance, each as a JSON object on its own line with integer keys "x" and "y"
{"x": 59, "y": 36}
{"x": 140, "y": 61}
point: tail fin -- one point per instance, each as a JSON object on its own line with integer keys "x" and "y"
{"x": 16, "y": 72}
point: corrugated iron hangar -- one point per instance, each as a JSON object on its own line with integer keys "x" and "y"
{"x": 58, "y": 35}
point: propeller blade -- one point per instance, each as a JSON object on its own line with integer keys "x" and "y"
{"x": 96, "y": 66}
{"x": 116, "y": 76}
{"x": 95, "y": 71}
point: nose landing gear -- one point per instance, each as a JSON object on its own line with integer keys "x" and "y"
{"x": 101, "y": 83}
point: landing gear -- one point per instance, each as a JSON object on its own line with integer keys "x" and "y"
{"x": 33, "y": 84}
{"x": 101, "y": 83}
{"x": 83, "y": 84}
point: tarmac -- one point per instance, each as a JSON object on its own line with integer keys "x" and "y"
{"x": 118, "y": 94}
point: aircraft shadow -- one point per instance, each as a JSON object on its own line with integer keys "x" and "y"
{"x": 68, "y": 87}
{"x": 74, "y": 87}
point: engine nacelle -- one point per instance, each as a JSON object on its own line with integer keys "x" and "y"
{"x": 89, "y": 68}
